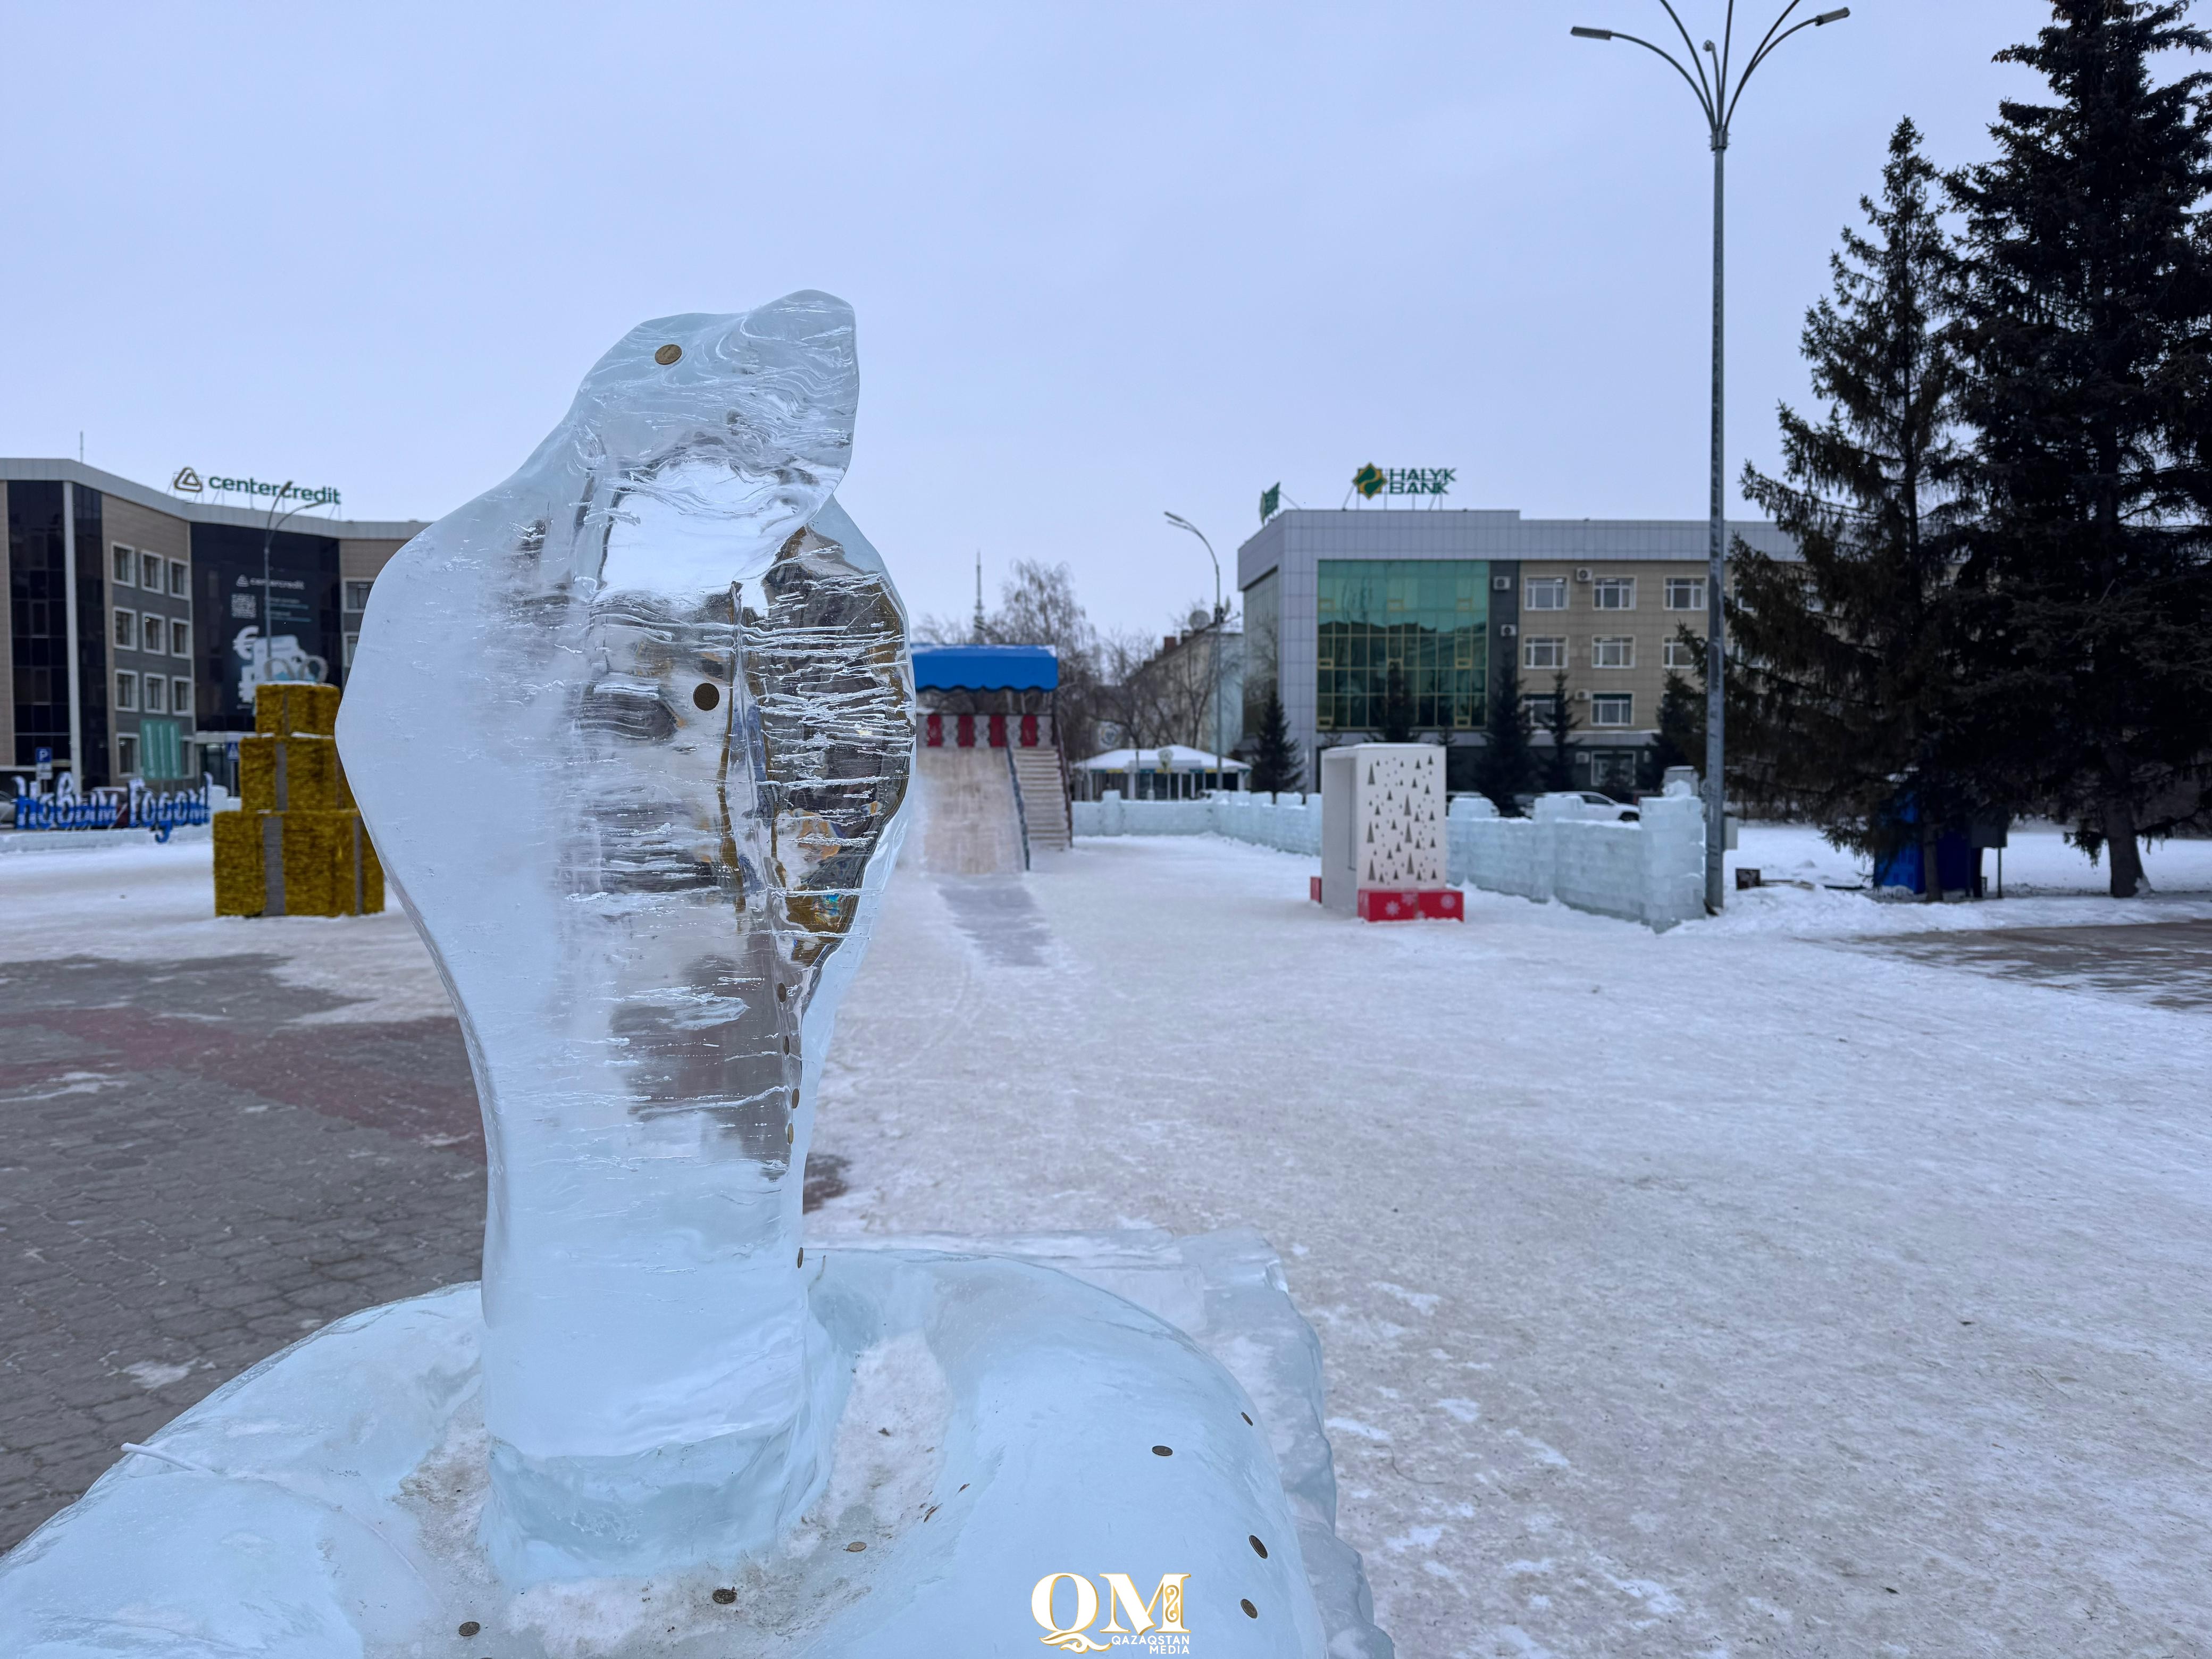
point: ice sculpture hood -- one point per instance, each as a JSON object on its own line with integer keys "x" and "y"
{"x": 742, "y": 423}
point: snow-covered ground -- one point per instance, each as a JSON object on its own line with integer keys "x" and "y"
{"x": 1732, "y": 1291}
{"x": 156, "y": 904}
{"x": 1717, "y": 1292}
{"x": 2046, "y": 883}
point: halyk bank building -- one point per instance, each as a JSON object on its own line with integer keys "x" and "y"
{"x": 1458, "y": 602}
{"x": 139, "y": 621}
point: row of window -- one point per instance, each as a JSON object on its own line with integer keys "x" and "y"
{"x": 1610, "y": 710}
{"x": 131, "y": 568}
{"x": 1611, "y": 593}
{"x": 160, "y": 635}
{"x": 1607, "y": 651}
{"x": 161, "y": 696}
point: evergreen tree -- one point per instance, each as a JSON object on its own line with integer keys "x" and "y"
{"x": 1846, "y": 706}
{"x": 1559, "y": 770}
{"x": 1275, "y": 764}
{"x": 1397, "y": 711}
{"x": 2084, "y": 326}
{"x": 1508, "y": 764}
{"x": 1681, "y": 739}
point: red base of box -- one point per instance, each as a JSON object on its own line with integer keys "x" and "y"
{"x": 1438, "y": 904}
{"x": 1312, "y": 888}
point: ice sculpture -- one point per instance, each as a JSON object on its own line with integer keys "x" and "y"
{"x": 634, "y": 729}
{"x": 632, "y": 732}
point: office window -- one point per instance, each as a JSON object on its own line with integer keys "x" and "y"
{"x": 351, "y": 640}
{"x": 1543, "y": 653}
{"x": 180, "y": 578}
{"x": 123, "y": 566}
{"x": 1615, "y": 594}
{"x": 152, "y": 635}
{"x": 157, "y": 694}
{"x": 126, "y": 754}
{"x": 1427, "y": 618}
{"x": 357, "y": 595}
{"x": 1685, "y": 592}
{"x": 1545, "y": 594}
{"x": 180, "y": 638}
{"x": 1612, "y": 708}
{"x": 1615, "y": 651}
{"x": 149, "y": 572}
{"x": 1613, "y": 769}
{"x": 180, "y": 697}
{"x": 126, "y": 691}
{"x": 126, "y": 628}
{"x": 1543, "y": 707}
{"x": 1678, "y": 655}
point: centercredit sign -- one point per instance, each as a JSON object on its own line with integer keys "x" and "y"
{"x": 1371, "y": 481}
{"x": 188, "y": 482}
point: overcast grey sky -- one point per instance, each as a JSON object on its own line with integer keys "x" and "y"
{"x": 1107, "y": 260}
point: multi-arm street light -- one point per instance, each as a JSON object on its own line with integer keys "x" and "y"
{"x": 1717, "y": 96}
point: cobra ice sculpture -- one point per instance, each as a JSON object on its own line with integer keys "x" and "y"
{"x": 633, "y": 733}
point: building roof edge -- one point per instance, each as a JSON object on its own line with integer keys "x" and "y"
{"x": 35, "y": 470}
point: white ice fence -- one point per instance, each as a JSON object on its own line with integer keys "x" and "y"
{"x": 1652, "y": 872}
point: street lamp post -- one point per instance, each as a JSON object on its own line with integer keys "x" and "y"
{"x": 1717, "y": 96}
{"x": 270, "y": 524}
{"x": 1220, "y": 777}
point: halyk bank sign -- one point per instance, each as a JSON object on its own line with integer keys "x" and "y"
{"x": 188, "y": 482}
{"x": 1371, "y": 481}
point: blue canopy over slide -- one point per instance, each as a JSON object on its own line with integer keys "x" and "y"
{"x": 986, "y": 668}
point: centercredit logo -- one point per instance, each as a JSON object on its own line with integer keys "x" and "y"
{"x": 1155, "y": 1625}
{"x": 188, "y": 482}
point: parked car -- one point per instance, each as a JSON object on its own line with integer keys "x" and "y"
{"x": 1619, "y": 812}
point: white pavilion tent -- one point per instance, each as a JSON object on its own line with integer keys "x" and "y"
{"x": 1173, "y": 771}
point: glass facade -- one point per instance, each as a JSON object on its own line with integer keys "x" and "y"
{"x": 1428, "y": 617}
{"x": 38, "y": 645}
{"x": 91, "y": 637}
{"x": 1263, "y": 628}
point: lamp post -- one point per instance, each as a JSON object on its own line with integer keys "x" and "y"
{"x": 1220, "y": 776}
{"x": 270, "y": 521}
{"x": 1717, "y": 96}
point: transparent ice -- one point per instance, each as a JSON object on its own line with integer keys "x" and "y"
{"x": 633, "y": 734}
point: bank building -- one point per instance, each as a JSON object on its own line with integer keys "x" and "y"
{"x": 139, "y": 621}
{"x": 1455, "y": 599}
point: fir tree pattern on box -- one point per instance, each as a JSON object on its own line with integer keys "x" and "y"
{"x": 296, "y": 847}
{"x": 1400, "y": 823}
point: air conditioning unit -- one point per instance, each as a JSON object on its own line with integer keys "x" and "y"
{"x": 1581, "y": 697}
{"x": 1501, "y": 584}
{"x": 1583, "y": 574}
{"x": 1507, "y": 630}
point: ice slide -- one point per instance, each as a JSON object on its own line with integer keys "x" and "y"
{"x": 970, "y": 824}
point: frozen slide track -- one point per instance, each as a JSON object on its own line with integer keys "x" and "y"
{"x": 970, "y": 822}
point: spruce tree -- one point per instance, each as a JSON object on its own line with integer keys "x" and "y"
{"x": 1846, "y": 706}
{"x": 1558, "y": 771}
{"x": 2085, "y": 327}
{"x": 1680, "y": 740}
{"x": 1508, "y": 764}
{"x": 1275, "y": 764}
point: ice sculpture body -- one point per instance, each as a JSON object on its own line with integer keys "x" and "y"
{"x": 632, "y": 732}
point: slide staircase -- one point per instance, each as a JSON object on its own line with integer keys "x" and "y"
{"x": 1043, "y": 781}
